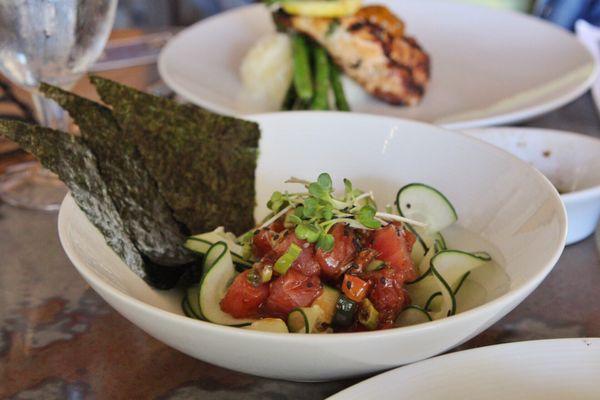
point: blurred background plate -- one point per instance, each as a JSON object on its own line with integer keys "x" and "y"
{"x": 489, "y": 66}
{"x": 545, "y": 370}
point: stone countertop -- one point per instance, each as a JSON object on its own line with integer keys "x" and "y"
{"x": 58, "y": 339}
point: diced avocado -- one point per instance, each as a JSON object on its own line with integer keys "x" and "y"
{"x": 327, "y": 301}
{"x": 273, "y": 325}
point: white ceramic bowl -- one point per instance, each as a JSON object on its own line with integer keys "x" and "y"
{"x": 569, "y": 160}
{"x": 497, "y": 196}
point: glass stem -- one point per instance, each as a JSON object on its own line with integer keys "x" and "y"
{"x": 50, "y": 114}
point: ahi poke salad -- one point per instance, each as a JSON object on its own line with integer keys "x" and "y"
{"x": 327, "y": 263}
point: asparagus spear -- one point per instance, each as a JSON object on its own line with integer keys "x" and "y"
{"x": 290, "y": 99}
{"x": 302, "y": 72}
{"x": 321, "y": 99}
{"x": 338, "y": 90}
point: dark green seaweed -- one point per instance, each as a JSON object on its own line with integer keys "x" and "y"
{"x": 204, "y": 163}
{"x": 145, "y": 214}
{"x": 68, "y": 157}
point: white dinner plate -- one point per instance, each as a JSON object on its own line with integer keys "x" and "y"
{"x": 489, "y": 67}
{"x": 556, "y": 369}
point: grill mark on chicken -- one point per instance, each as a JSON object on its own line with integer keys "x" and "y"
{"x": 356, "y": 64}
{"x": 386, "y": 42}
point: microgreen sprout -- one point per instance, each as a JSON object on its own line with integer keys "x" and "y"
{"x": 311, "y": 214}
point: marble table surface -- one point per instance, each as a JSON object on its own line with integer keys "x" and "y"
{"x": 58, "y": 339}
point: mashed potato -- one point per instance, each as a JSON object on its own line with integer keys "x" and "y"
{"x": 267, "y": 69}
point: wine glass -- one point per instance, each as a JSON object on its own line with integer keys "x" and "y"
{"x": 53, "y": 41}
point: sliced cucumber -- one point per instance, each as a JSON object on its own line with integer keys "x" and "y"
{"x": 420, "y": 248}
{"x": 193, "y": 292}
{"x": 440, "y": 241}
{"x": 306, "y": 320}
{"x": 484, "y": 255}
{"x": 202, "y": 242}
{"x": 424, "y": 242}
{"x": 418, "y": 252}
{"x": 460, "y": 283}
{"x": 412, "y": 315}
{"x": 213, "y": 287}
{"x": 298, "y": 321}
{"x": 470, "y": 295}
{"x": 273, "y": 325}
{"x": 450, "y": 267}
{"x": 425, "y": 204}
{"x": 192, "y": 297}
{"x": 186, "y": 308}
{"x": 315, "y": 317}
{"x": 425, "y": 264}
{"x": 327, "y": 301}
{"x": 434, "y": 302}
{"x": 420, "y": 291}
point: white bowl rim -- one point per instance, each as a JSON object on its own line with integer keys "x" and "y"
{"x": 484, "y": 351}
{"x": 516, "y": 292}
{"x": 575, "y": 195}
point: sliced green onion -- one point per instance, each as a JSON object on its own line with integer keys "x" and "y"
{"x": 375, "y": 265}
{"x": 253, "y": 278}
{"x": 368, "y": 316}
{"x": 287, "y": 259}
{"x": 266, "y": 273}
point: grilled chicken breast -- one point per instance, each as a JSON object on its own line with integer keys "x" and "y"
{"x": 371, "y": 47}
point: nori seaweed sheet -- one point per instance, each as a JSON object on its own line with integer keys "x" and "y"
{"x": 145, "y": 214}
{"x": 204, "y": 163}
{"x": 74, "y": 163}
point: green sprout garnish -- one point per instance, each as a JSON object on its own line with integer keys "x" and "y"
{"x": 366, "y": 216}
{"x": 311, "y": 214}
